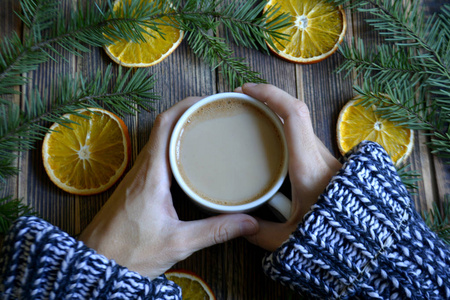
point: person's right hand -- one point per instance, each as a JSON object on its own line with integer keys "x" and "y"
{"x": 138, "y": 226}
{"x": 311, "y": 165}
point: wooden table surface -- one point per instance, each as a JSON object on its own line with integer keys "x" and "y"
{"x": 233, "y": 270}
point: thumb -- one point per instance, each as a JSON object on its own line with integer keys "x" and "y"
{"x": 271, "y": 235}
{"x": 219, "y": 229}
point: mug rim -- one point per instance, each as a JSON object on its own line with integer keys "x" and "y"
{"x": 215, "y": 207}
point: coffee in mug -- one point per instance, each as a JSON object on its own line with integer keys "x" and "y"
{"x": 229, "y": 154}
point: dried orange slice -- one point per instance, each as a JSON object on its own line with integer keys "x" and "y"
{"x": 192, "y": 286}
{"x": 357, "y": 123}
{"x": 145, "y": 54}
{"x": 90, "y": 156}
{"x": 318, "y": 29}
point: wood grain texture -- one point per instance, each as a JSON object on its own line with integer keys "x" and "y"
{"x": 10, "y": 23}
{"x": 52, "y": 203}
{"x": 233, "y": 270}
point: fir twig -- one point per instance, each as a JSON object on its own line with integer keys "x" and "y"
{"x": 409, "y": 177}
{"x": 248, "y": 25}
{"x": 385, "y": 64}
{"x": 439, "y": 222}
{"x": 215, "y": 51}
{"x": 399, "y": 103}
{"x": 95, "y": 26}
{"x": 11, "y": 209}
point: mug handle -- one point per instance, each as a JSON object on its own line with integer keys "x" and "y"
{"x": 281, "y": 206}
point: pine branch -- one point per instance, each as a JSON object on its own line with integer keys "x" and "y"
{"x": 439, "y": 222}
{"x": 409, "y": 177}
{"x": 397, "y": 103}
{"x": 7, "y": 168}
{"x": 20, "y": 130}
{"x": 252, "y": 27}
{"x": 244, "y": 23}
{"x": 16, "y": 59}
{"x": 385, "y": 63}
{"x": 217, "y": 54}
{"x": 249, "y": 25}
{"x": 11, "y": 209}
{"x": 403, "y": 23}
{"x": 38, "y": 16}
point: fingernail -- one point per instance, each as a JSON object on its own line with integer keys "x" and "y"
{"x": 248, "y": 228}
{"x": 238, "y": 90}
{"x": 250, "y": 84}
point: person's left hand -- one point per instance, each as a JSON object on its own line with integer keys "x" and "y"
{"x": 138, "y": 226}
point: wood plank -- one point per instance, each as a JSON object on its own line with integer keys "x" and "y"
{"x": 325, "y": 93}
{"x": 442, "y": 175}
{"x": 421, "y": 162}
{"x": 10, "y": 23}
{"x": 50, "y": 202}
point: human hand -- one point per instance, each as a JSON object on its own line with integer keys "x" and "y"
{"x": 138, "y": 226}
{"x": 311, "y": 165}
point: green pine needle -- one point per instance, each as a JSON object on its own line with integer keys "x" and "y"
{"x": 10, "y": 210}
{"x": 245, "y": 23}
{"x": 409, "y": 177}
{"x": 215, "y": 51}
{"x": 438, "y": 221}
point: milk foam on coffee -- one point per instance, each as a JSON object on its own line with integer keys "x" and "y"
{"x": 229, "y": 152}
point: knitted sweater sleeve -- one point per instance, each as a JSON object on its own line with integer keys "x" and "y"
{"x": 39, "y": 261}
{"x": 363, "y": 239}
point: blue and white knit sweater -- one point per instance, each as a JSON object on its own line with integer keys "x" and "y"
{"x": 39, "y": 261}
{"x": 363, "y": 239}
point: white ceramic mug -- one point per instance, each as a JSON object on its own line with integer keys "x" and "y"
{"x": 276, "y": 200}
